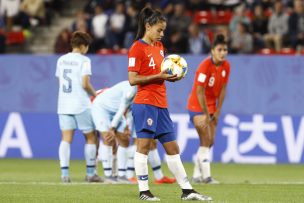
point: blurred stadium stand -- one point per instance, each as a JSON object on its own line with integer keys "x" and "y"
{"x": 251, "y": 26}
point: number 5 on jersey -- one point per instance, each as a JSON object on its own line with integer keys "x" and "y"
{"x": 67, "y": 88}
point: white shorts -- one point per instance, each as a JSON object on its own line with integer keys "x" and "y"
{"x": 10, "y": 7}
{"x": 102, "y": 119}
{"x": 82, "y": 121}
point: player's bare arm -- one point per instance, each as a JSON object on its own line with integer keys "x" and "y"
{"x": 200, "y": 92}
{"x": 220, "y": 104}
{"x": 136, "y": 79}
{"x": 86, "y": 84}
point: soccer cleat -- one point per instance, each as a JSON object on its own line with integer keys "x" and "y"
{"x": 65, "y": 179}
{"x": 123, "y": 180}
{"x": 197, "y": 180}
{"x": 193, "y": 195}
{"x": 165, "y": 180}
{"x": 210, "y": 180}
{"x": 94, "y": 179}
{"x": 110, "y": 180}
{"x": 148, "y": 196}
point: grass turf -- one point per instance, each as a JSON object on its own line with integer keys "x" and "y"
{"x": 39, "y": 181}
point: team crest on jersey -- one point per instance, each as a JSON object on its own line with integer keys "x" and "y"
{"x": 149, "y": 121}
{"x": 162, "y": 53}
{"x": 223, "y": 73}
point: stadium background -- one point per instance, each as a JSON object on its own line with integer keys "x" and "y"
{"x": 261, "y": 120}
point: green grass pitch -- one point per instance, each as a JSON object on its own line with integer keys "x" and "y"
{"x": 39, "y": 181}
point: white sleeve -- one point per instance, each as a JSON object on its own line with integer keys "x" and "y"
{"x": 86, "y": 68}
{"x": 131, "y": 93}
{"x": 129, "y": 119}
{"x": 125, "y": 103}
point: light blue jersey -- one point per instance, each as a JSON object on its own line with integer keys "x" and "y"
{"x": 115, "y": 101}
{"x": 72, "y": 98}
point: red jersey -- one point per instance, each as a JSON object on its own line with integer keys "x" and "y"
{"x": 213, "y": 78}
{"x": 146, "y": 60}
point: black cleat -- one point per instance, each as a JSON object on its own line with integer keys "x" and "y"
{"x": 148, "y": 196}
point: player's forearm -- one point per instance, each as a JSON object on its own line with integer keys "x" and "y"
{"x": 87, "y": 86}
{"x": 119, "y": 115}
{"x": 116, "y": 119}
{"x": 200, "y": 92}
{"x": 90, "y": 90}
{"x": 221, "y": 98}
{"x": 143, "y": 80}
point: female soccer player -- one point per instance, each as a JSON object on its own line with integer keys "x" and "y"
{"x": 151, "y": 117}
{"x": 73, "y": 71}
{"x": 205, "y": 103}
{"x": 108, "y": 115}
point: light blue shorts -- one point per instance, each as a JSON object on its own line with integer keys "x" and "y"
{"x": 102, "y": 119}
{"x": 82, "y": 121}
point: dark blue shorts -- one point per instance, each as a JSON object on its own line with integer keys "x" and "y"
{"x": 193, "y": 113}
{"x": 153, "y": 122}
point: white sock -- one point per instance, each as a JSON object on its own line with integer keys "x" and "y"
{"x": 176, "y": 167}
{"x": 196, "y": 170}
{"x": 106, "y": 159}
{"x": 64, "y": 157}
{"x": 204, "y": 161}
{"x": 90, "y": 157}
{"x": 141, "y": 170}
{"x": 122, "y": 156}
{"x": 154, "y": 160}
{"x": 130, "y": 162}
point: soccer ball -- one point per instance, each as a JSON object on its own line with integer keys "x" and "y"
{"x": 175, "y": 64}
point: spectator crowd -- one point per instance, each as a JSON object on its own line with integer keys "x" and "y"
{"x": 251, "y": 26}
{"x": 17, "y": 17}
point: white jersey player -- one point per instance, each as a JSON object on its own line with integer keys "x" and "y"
{"x": 73, "y": 71}
{"x": 108, "y": 115}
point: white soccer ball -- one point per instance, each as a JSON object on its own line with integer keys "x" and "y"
{"x": 175, "y": 64}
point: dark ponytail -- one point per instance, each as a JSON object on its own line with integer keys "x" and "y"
{"x": 219, "y": 39}
{"x": 148, "y": 15}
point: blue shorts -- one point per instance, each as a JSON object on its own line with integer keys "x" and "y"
{"x": 193, "y": 113}
{"x": 82, "y": 121}
{"x": 153, "y": 122}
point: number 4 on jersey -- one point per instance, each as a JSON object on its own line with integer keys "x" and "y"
{"x": 152, "y": 63}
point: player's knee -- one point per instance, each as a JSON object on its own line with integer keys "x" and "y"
{"x": 197, "y": 126}
{"x": 153, "y": 145}
{"x": 173, "y": 151}
{"x": 69, "y": 140}
{"x": 143, "y": 148}
{"x": 90, "y": 138}
{"x": 123, "y": 142}
{"x": 171, "y": 148}
{"x": 207, "y": 141}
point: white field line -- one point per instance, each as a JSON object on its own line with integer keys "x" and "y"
{"x": 84, "y": 183}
